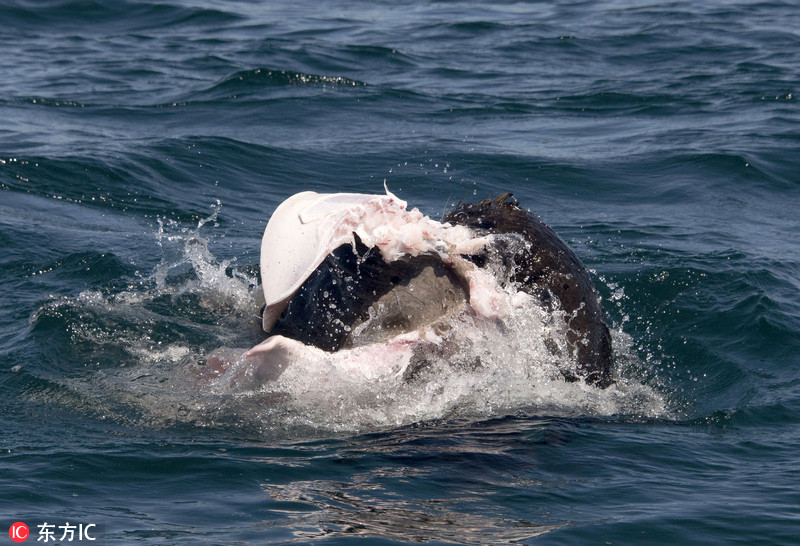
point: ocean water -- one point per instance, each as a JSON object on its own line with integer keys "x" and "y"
{"x": 144, "y": 145}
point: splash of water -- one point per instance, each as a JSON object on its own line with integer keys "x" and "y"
{"x": 164, "y": 327}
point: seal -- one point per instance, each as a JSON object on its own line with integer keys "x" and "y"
{"x": 354, "y": 273}
{"x": 548, "y": 269}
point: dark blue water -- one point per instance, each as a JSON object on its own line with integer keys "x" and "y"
{"x": 143, "y": 147}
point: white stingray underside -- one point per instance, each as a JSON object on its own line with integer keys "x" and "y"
{"x": 308, "y": 226}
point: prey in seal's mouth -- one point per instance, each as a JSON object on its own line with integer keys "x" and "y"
{"x": 355, "y": 298}
{"x": 372, "y": 288}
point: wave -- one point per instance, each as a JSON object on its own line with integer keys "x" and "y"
{"x": 84, "y": 15}
{"x": 249, "y": 82}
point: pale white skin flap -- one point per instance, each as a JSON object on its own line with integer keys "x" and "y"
{"x": 308, "y": 226}
{"x": 297, "y": 239}
{"x": 268, "y": 360}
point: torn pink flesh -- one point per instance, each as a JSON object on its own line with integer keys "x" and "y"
{"x": 370, "y": 361}
{"x": 486, "y": 297}
{"x": 308, "y": 226}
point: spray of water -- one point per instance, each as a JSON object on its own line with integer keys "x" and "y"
{"x": 163, "y": 328}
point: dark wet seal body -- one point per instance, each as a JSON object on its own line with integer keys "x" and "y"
{"x": 546, "y": 268}
{"x": 354, "y": 298}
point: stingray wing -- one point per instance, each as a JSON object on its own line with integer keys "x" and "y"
{"x": 301, "y": 233}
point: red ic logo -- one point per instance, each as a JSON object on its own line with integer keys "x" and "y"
{"x": 18, "y": 532}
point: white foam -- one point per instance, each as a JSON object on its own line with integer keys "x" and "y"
{"x": 485, "y": 368}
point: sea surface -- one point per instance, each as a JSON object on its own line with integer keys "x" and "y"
{"x": 144, "y": 146}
